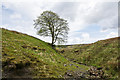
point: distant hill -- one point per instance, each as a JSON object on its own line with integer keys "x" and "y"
{"x": 103, "y": 54}
{"x": 24, "y": 56}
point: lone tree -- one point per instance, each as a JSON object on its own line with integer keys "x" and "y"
{"x": 50, "y": 24}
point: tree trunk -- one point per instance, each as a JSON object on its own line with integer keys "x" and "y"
{"x": 53, "y": 36}
{"x": 53, "y": 42}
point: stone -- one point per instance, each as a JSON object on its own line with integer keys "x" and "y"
{"x": 99, "y": 68}
{"x": 71, "y": 64}
{"x": 65, "y": 64}
{"x": 76, "y": 51}
{"x": 34, "y": 48}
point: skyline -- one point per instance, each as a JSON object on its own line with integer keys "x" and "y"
{"x": 88, "y": 22}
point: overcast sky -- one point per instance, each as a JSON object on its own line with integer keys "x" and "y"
{"x": 88, "y": 21}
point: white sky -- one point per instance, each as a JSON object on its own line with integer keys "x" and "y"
{"x": 88, "y": 21}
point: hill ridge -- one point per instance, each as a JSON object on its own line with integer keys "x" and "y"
{"x": 24, "y": 56}
{"x": 103, "y": 54}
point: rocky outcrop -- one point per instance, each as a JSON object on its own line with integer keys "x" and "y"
{"x": 92, "y": 73}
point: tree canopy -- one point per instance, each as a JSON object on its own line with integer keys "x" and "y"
{"x": 50, "y": 24}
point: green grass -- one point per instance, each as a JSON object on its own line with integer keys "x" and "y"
{"x": 102, "y": 53}
{"x": 24, "y": 56}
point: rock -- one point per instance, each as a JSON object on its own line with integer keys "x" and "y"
{"x": 60, "y": 75}
{"x": 99, "y": 68}
{"x": 15, "y": 50}
{"x": 82, "y": 63}
{"x": 11, "y": 67}
{"x": 71, "y": 64}
{"x": 76, "y": 51}
{"x": 69, "y": 74}
{"x": 40, "y": 53}
{"x": 95, "y": 72}
{"x": 77, "y": 66}
{"x": 4, "y": 54}
{"x": 65, "y": 64}
{"x": 34, "y": 48}
{"x": 62, "y": 51}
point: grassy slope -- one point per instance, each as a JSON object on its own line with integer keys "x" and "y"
{"x": 26, "y": 56}
{"x": 103, "y": 53}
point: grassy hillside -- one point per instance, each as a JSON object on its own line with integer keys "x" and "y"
{"x": 24, "y": 56}
{"x": 103, "y": 54}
